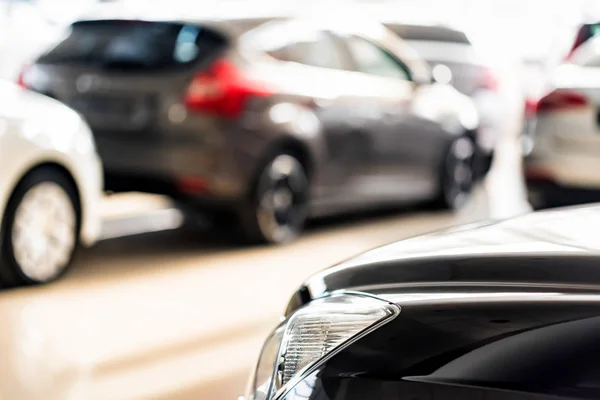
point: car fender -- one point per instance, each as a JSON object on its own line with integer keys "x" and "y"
{"x": 29, "y": 157}
{"x": 283, "y": 125}
{"x": 454, "y": 112}
{"x": 37, "y": 130}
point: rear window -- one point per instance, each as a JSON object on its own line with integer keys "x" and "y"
{"x": 428, "y": 33}
{"x": 135, "y": 45}
{"x": 585, "y": 33}
{"x": 587, "y": 55}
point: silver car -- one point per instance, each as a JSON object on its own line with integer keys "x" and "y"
{"x": 470, "y": 72}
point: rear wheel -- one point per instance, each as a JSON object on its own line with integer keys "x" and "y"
{"x": 538, "y": 198}
{"x": 457, "y": 174}
{"x": 279, "y": 202}
{"x": 483, "y": 165}
{"x": 40, "y": 229}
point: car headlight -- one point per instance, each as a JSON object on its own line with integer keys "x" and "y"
{"x": 312, "y": 335}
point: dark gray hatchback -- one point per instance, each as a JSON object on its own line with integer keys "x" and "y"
{"x": 269, "y": 122}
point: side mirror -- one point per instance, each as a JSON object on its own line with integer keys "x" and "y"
{"x": 441, "y": 74}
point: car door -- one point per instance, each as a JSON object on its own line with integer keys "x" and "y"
{"x": 315, "y": 72}
{"x": 396, "y": 140}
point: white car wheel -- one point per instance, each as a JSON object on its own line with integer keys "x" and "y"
{"x": 41, "y": 229}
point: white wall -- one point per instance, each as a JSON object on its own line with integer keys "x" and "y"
{"x": 514, "y": 27}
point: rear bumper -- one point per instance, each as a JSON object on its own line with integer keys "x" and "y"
{"x": 201, "y": 194}
{"x": 563, "y": 148}
{"x": 561, "y": 154}
{"x": 177, "y": 168}
{"x": 549, "y": 194}
{"x": 560, "y": 183}
{"x": 563, "y": 171}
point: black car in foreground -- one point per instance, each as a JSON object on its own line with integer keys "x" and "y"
{"x": 492, "y": 311}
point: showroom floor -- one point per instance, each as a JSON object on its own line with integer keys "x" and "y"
{"x": 178, "y": 313}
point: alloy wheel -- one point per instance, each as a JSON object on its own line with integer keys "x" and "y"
{"x": 282, "y": 199}
{"x": 44, "y": 231}
{"x": 459, "y": 177}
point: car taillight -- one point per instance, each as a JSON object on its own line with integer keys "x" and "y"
{"x": 530, "y": 107}
{"x": 490, "y": 80}
{"x": 561, "y": 100}
{"x": 21, "y": 79}
{"x": 222, "y": 90}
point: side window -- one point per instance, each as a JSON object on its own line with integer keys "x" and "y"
{"x": 374, "y": 60}
{"x": 317, "y": 49}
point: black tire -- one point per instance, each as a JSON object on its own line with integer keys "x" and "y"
{"x": 483, "y": 164}
{"x": 457, "y": 175}
{"x": 538, "y": 201}
{"x": 12, "y": 273}
{"x": 282, "y": 180}
{"x": 544, "y": 196}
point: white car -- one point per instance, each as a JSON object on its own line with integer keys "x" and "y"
{"x": 50, "y": 186}
{"x": 562, "y": 164}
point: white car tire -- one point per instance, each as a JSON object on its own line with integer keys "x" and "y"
{"x": 40, "y": 229}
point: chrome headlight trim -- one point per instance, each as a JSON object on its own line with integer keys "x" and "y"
{"x": 388, "y": 310}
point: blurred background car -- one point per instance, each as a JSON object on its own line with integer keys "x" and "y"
{"x": 50, "y": 186}
{"x": 539, "y": 71}
{"x": 471, "y": 74}
{"x": 563, "y": 129}
{"x": 269, "y": 125}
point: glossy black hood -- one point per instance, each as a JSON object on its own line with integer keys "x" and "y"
{"x": 539, "y": 250}
{"x": 515, "y": 347}
{"x": 497, "y": 310}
